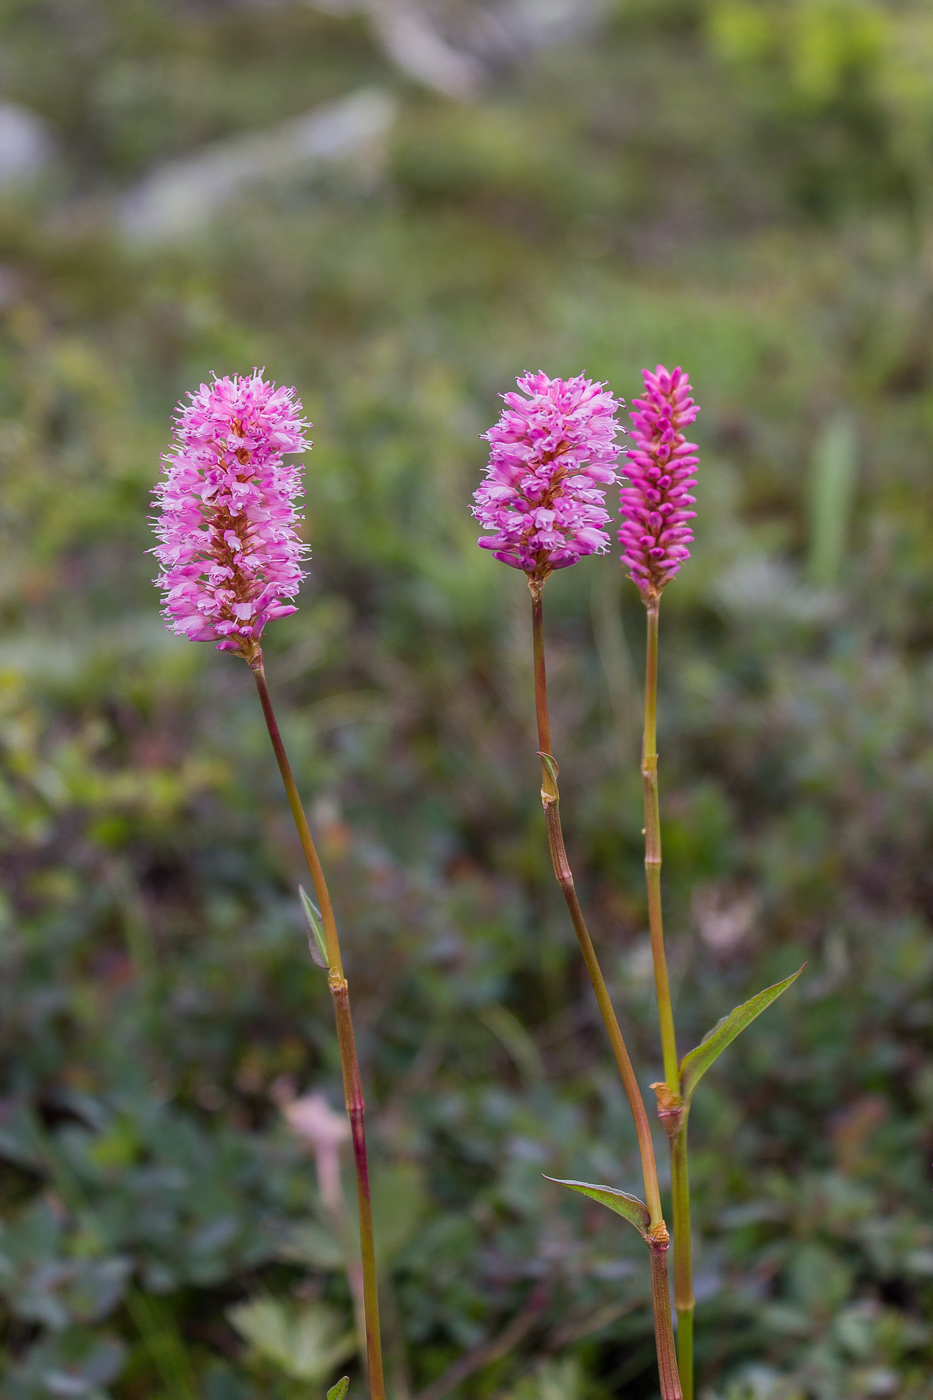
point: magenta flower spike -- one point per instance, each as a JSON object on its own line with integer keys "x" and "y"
{"x": 543, "y": 500}
{"x": 655, "y": 535}
{"x": 230, "y": 557}
{"x": 229, "y": 548}
{"x": 660, "y": 467}
{"x": 553, "y": 455}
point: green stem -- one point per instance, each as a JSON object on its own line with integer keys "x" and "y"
{"x": 658, "y": 1237}
{"x": 685, "y": 1350}
{"x": 669, "y": 1095}
{"x": 301, "y": 821}
{"x": 564, "y": 877}
{"x": 649, "y": 772}
{"x": 349, "y": 1064}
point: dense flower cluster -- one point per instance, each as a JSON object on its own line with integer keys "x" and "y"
{"x": 660, "y": 468}
{"x": 229, "y": 548}
{"x": 553, "y": 455}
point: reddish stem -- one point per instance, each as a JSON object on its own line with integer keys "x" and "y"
{"x": 663, "y": 1324}
{"x": 349, "y": 1064}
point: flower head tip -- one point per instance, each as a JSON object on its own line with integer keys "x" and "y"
{"x": 229, "y": 550}
{"x": 553, "y": 455}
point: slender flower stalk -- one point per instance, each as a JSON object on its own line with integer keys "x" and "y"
{"x": 670, "y": 1103}
{"x": 657, "y": 1234}
{"x": 550, "y": 800}
{"x": 230, "y": 554}
{"x": 349, "y": 1064}
{"x": 553, "y": 454}
{"x": 655, "y": 534}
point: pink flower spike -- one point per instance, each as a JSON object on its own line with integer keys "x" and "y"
{"x": 229, "y": 549}
{"x": 661, "y": 469}
{"x": 553, "y": 455}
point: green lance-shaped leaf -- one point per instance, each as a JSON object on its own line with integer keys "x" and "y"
{"x": 695, "y": 1065}
{"x": 338, "y": 1391}
{"x": 630, "y": 1207}
{"x": 317, "y": 943}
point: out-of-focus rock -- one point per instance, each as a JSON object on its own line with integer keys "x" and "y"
{"x": 509, "y": 31}
{"x": 454, "y": 47}
{"x": 181, "y": 197}
{"x": 25, "y": 145}
{"x": 422, "y": 52}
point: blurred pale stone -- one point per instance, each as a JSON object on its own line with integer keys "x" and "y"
{"x": 180, "y": 197}
{"x": 453, "y": 47}
{"x": 517, "y": 27}
{"x": 25, "y": 146}
{"x": 422, "y": 52}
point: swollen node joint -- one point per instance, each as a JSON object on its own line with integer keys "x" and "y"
{"x": 671, "y": 1109}
{"x": 658, "y": 1235}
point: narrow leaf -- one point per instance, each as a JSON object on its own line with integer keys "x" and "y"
{"x": 633, "y": 1210}
{"x": 695, "y": 1065}
{"x": 317, "y": 944}
{"x": 338, "y": 1391}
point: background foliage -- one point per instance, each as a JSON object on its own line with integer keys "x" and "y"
{"x": 740, "y": 186}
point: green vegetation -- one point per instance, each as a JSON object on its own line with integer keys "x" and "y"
{"x": 740, "y": 186}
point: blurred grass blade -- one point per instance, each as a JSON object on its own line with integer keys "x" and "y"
{"x": 520, "y": 1045}
{"x": 338, "y": 1391}
{"x": 161, "y": 1338}
{"x": 317, "y": 944}
{"x": 832, "y": 492}
{"x": 694, "y": 1065}
{"x": 630, "y": 1207}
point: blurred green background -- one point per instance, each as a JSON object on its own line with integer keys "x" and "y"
{"x": 398, "y": 208}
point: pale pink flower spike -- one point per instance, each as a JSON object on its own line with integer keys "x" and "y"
{"x": 553, "y": 455}
{"x": 229, "y": 548}
{"x": 660, "y": 469}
